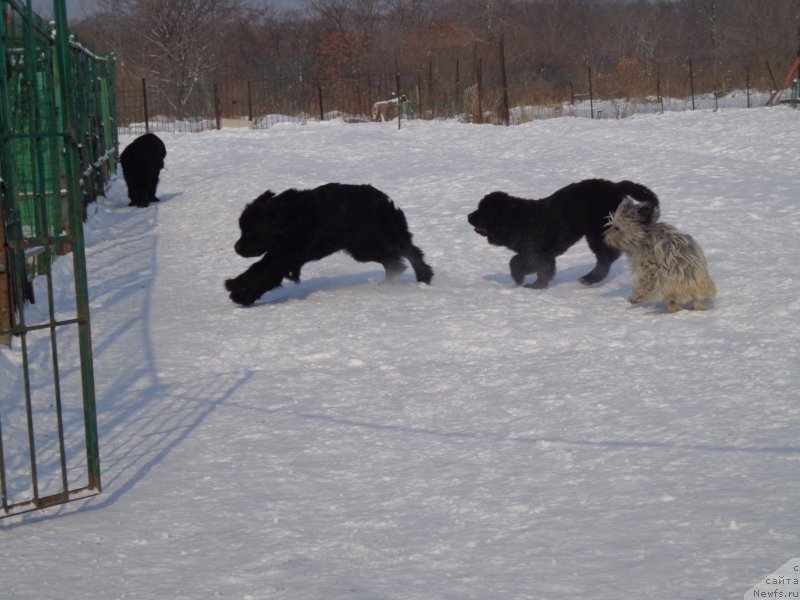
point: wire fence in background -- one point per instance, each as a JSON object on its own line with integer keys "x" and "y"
{"x": 484, "y": 93}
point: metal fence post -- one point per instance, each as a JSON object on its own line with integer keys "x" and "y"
{"x": 480, "y": 90}
{"x": 5, "y": 292}
{"x": 658, "y": 91}
{"x": 747, "y": 84}
{"x": 144, "y": 104}
{"x": 217, "y": 110}
{"x": 397, "y": 87}
{"x": 458, "y": 85}
{"x": 430, "y": 89}
{"x": 249, "y": 102}
{"x": 78, "y": 257}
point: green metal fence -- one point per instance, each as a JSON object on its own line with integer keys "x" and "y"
{"x": 58, "y": 146}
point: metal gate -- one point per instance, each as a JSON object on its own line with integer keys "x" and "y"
{"x": 57, "y": 146}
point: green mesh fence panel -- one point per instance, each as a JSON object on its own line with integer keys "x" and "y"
{"x": 58, "y": 147}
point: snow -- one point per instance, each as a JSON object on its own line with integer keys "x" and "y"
{"x": 343, "y": 439}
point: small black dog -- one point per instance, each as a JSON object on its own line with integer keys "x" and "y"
{"x": 298, "y": 226}
{"x": 142, "y": 161}
{"x": 540, "y": 230}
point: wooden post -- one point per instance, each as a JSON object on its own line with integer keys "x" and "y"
{"x": 319, "y": 95}
{"x": 775, "y": 87}
{"x": 506, "y": 110}
{"x": 591, "y": 94}
{"x": 691, "y": 81}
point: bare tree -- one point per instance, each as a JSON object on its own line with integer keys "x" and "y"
{"x": 176, "y": 43}
{"x": 441, "y": 46}
{"x": 348, "y": 15}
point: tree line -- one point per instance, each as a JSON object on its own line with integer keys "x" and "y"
{"x": 444, "y": 48}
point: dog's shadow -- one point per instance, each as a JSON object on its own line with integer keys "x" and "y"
{"x": 304, "y": 289}
{"x": 568, "y": 275}
{"x": 621, "y": 290}
{"x": 501, "y": 278}
{"x": 162, "y": 199}
{"x": 613, "y": 286}
{"x": 168, "y": 197}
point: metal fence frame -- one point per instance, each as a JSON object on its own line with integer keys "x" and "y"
{"x": 58, "y": 146}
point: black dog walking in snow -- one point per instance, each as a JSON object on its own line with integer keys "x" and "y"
{"x": 299, "y": 226}
{"x": 142, "y": 161}
{"x": 540, "y": 230}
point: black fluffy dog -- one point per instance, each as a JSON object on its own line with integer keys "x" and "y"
{"x": 142, "y": 161}
{"x": 540, "y": 230}
{"x": 298, "y": 226}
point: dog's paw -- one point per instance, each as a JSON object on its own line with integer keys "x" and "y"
{"x": 635, "y": 299}
{"x": 536, "y": 285}
{"x": 230, "y": 285}
{"x": 243, "y": 297}
{"x": 590, "y": 279}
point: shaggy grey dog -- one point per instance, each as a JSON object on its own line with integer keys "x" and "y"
{"x": 667, "y": 265}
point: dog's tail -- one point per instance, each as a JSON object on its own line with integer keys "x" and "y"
{"x": 422, "y": 270}
{"x": 396, "y": 220}
{"x": 642, "y": 194}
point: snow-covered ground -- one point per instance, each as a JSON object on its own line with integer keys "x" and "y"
{"x": 343, "y": 439}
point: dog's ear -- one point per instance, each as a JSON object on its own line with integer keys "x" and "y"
{"x": 263, "y": 198}
{"x": 647, "y": 213}
{"x": 495, "y": 204}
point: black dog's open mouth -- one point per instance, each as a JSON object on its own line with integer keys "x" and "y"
{"x": 481, "y": 231}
